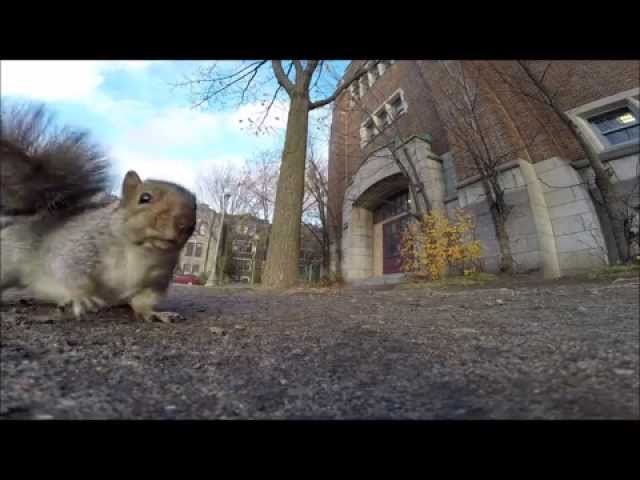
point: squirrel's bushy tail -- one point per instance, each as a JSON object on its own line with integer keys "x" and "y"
{"x": 43, "y": 168}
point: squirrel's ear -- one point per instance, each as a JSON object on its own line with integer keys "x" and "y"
{"x": 131, "y": 181}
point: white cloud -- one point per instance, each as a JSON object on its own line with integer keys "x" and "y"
{"x": 183, "y": 171}
{"x": 129, "y": 64}
{"x": 177, "y": 127}
{"x": 152, "y": 166}
{"x": 50, "y": 80}
{"x": 235, "y": 161}
{"x": 55, "y": 80}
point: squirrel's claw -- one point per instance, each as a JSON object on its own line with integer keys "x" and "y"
{"x": 164, "y": 317}
{"x": 78, "y": 310}
{"x": 82, "y": 306}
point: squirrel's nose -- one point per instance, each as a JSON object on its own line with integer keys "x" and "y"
{"x": 184, "y": 223}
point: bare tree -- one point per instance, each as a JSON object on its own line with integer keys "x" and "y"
{"x": 218, "y": 181}
{"x": 532, "y": 79}
{"x": 260, "y": 180}
{"x": 317, "y": 186}
{"x": 297, "y": 80}
{"x": 461, "y": 104}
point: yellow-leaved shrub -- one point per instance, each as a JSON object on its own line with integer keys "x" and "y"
{"x": 433, "y": 244}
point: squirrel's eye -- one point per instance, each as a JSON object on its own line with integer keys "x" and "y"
{"x": 145, "y": 198}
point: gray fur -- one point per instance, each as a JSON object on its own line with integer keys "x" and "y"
{"x": 58, "y": 237}
{"x": 43, "y": 169}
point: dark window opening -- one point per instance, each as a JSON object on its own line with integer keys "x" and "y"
{"x": 392, "y": 206}
{"x": 617, "y": 126}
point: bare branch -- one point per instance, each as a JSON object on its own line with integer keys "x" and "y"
{"x": 248, "y": 84}
{"x": 311, "y": 66}
{"x": 210, "y": 94}
{"x": 315, "y": 83}
{"x": 299, "y": 71}
{"x": 359, "y": 72}
{"x": 273, "y": 99}
{"x": 282, "y": 78}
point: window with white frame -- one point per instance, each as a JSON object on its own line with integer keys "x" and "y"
{"x": 373, "y": 74}
{"x": 241, "y": 247}
{"x": 384, "y": 116}
{"x": 397, "y": 104}
{"x": 369, "y": 131}
{"x": 383, "y": 119}
{"x": 617, "y": 126}
{"x": 610, "y": 125}
{"x": 186, "y": 268}
{"x": 374, "y": 70}
{"x": 364, "y": 85}
{"x": 383, "y": 66}
{"x": 353, "y": 94}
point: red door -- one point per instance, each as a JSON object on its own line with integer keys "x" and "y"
{"x": 391, "y": 238}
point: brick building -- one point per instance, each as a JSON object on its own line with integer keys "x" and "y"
{"x": 202, "y": 246}
{"x": 245, "y": 241}
{"x": 407, "y": 107}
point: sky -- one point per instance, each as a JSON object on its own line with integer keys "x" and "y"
{"x": 134, "y": 111}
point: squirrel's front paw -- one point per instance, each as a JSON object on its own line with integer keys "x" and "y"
{"x": 164, "y": 317}
{"x": 83, "y": 305}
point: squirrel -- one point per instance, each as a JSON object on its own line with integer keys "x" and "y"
{"x": 69, "y": 246}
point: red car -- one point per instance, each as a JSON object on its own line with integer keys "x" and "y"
{"x": 187, "y": 279}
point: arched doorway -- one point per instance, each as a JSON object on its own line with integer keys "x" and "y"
{"x": 388, "y": 203}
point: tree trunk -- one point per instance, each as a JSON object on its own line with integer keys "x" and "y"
{"x": 611, "y": 206}
{"x": 498, "y": 211}
{"x": 506, "y": 259}
{"x": 281, "y": 269}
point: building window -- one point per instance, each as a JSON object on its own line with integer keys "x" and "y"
{"x": 368, "y": 131}
{"x": 195, "y": 268}
{"x": 383, "y": 66}
{"x": 189, "y": 251}
{"x": 373, "y": 75}
{"x": 354, "y": 94}
{"x": 243, "y": 265}
{"x": 617, "y": 126}
{"x": 364, "y": 85}
{"x": 383, "y": 119}
{"x": 186, "y": 268}
{"x": 610, "y": 124}
{"x": 397, "y": 105}
{"x": 241, "y": 247}
{"x": 384, "y": 116}
{"x": 391, "y": 207}
{"x": 198, "y": 251}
